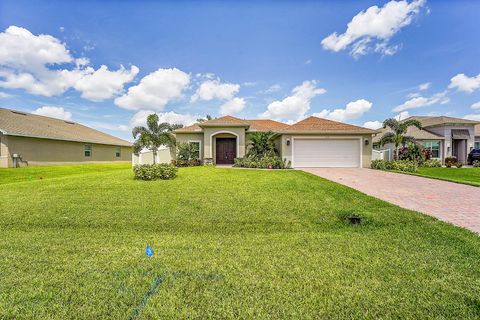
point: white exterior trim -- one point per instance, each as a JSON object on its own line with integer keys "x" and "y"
{"x": 218, "y": 132}
{"x": 360, "y": 139}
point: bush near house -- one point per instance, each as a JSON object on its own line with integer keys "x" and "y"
{"x": 187, "y": 155}
{"x": 450, "y": 161}
{"x": 432, "y": 163}
{"x": 271, "y": 162}
{"x": 150, "y": 172}
{"x": 476, "y": 165}
{"x": 397, "y": 165}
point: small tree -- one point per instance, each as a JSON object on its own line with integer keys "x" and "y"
{"x": 261, "y": 145}
{"x": 187, "y": 151}
{"x": 397, "y": 136}
{"x": 154, "y": 135}
{"x": 208, "y": 117}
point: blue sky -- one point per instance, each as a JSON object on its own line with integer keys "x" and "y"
{"x": 278, "y": 60}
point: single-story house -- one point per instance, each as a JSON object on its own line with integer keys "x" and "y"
{"x": 29, "y": 139}
{"x": 444, "y": 136}
{"x": 312, "y": 142}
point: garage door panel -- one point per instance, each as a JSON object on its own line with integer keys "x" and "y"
{"x": 326, "y": 153}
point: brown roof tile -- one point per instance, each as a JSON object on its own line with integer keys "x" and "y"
{"x": 226, "y": 120}
{"x": 18, "y": 123}
{"x": 428, "y": 121}
{"x": 411, "y": 131}
{"x": 266, "y": 125}
{"x": 193, "y": 128}
{"x": 319, "y": 125}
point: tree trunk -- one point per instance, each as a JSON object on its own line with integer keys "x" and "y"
{"x": 154, "y": 157}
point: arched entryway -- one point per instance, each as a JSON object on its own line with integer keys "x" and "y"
{"x": 224, "y": 147}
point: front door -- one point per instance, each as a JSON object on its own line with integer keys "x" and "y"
{"x": 225, "y": 150}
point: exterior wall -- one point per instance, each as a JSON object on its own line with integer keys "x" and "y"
{"x": 187, "y": 137}
{"x": 286, "y": 150}
{"x": 209, "y": 141}
{"x": 4, "y": 154}
{"x": 163, "y": 156}
{"x": 37, "y": 151}
{"x": 391, "y": 147}
{"x": 446, "y": 131}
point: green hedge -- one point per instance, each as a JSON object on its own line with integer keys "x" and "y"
{"x": 186, "y": 163}
{"x": 155, "y": 171}
{"x": 398, "y": 165}
{"x": 432, "y": 163}
{"x": 274, "y": 162}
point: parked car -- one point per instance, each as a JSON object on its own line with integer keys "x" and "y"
{"x": 473, "y": 156}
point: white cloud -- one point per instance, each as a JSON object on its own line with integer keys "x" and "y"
{"x": 54, "y": 112}
{"x": 474, "y": 117}
{"x": 424, "y": 86}
{"x": 402, "y": 116}
{"x": 250, "y": 83}
{"x": 214, "y": 89}
{"x": 4, "y": 95}
{"x": 294, "y": 106}
{"x": 155, "y": 90}
{"x": 374, "y": 125}
{"x": 32, "y": 63}
{"x": 104, "y": 84}
{"x": 353, "y": 110}
{"x": 233, "y": 106}
{"x": 476, "y": 106}
{"x": 273, "y": 88}
{"x": 140, "y": 118}
{"x": 373, "y": 28}
{"x": 464, "y": 83}
{"x": 420, "y": 102}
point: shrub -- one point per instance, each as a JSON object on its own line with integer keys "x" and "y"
{"x": 270, "y": 162}
{"x": 186, "y": 163}
{"x": 399, "y": 165}
{"x": 432, "y": 163}
{"x": 458, "y": 164}
{"x": 155, "y": 172}
{"x": 187, "y": 151}
{"x": 412, "y": 152}
{"x": 381, "y": 165}
{"x": 476, "y": 164}
{"x": 450, "y": 161}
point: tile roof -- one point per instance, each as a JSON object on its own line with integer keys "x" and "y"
{"x": 193, "y": 128}
{"x": 423, "y": 134}
{"x": 18, "y": 123}
{"x": 428, "y": 121}
{"x": 266, "y": 125}
{"x": 224, "y": 121}
{"x": 319, "y": 125}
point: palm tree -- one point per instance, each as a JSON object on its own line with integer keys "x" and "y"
{"x": 261, "y": 145}
{"x": 154, "y": 135}
{"x": 397, "y": 135}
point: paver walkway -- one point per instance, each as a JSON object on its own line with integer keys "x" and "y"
{"x": 451, "y": 202}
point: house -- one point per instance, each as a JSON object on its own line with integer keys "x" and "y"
{"x": 444, "y": 136}
{"x": 28, "y": 139}
{"x": 312, "y": 142}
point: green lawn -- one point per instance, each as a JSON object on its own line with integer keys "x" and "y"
{"x": 469, "y": 176}
{"x": 228, "y": 243}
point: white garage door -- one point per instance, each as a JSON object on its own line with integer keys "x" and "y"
{"x": 326, "y": 153}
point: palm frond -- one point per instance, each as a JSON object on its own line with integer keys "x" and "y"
{"x": 388, "y": 137}
{"x": 391, "y": 123}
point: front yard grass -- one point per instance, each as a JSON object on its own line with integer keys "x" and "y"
{"x": 470, "y": 176}
{"x": 230, "y": 244}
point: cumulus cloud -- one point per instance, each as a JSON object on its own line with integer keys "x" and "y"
{"x": 140, "y": 118}
{"x": 424, "y": 86}
{"x": 155, "y": 90}
{"x": 474, "y": 117}
{"x": 461, "y": 82}
{"x": 372, "y": 29}
{"x": 420, "y": 102}
{"x": 273, "y": 88}
{"x": 476, "y": 106}
{"x": 42, "y": 65}
{"x": 402, "y": 116}
{"x": 54, "y": 112}
{"x": 353, "y": 110}
{"x": 104, "y": 84}
{"x": 294, "y": 106}
{"x": 214, "y": 89}
{"x": 374, "y": 125}
{"x": 233, "y": 106}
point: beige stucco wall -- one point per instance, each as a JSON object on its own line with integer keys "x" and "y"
{"x": 286, "y": 151}
{"x": 46, "y": 151}
{"x": 4, "y": 155}
{"x": 209, "y": 141}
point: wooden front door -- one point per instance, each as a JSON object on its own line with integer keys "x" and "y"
{"x": 226, "y": 150}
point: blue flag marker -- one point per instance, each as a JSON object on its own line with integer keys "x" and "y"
{"x": 149, "y": 251}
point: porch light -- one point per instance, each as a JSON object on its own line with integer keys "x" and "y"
{"x": 367, "y": 142}
{"x": 288, "y": 142}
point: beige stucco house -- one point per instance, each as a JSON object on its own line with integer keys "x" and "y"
{"x": 313, "y": 142}
{"x": 444, "y": 136}
{"x": 28, "y": 139}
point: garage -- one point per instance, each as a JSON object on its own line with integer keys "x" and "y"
{"x": 317, "y": 152}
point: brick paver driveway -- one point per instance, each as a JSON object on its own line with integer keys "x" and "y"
{"x": 451, "y": 202}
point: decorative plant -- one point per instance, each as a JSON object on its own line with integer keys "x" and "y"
{"x": 412, "y": 152}
{"x": 450, "y": 161}
{"x": 261, "y": 145}
{"x": 154, "y": 135}
{"x": 398, "y": 135}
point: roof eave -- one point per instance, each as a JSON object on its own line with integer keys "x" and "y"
{"x": 224, "y": 125}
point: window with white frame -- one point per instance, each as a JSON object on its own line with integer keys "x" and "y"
{"x": 196, "y": 148}
{"x": 118, "y": 152}
{"x": 87, "y": 150}
{"x": 434, "y": 147}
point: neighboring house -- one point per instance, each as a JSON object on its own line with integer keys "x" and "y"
{"x": 444, "y": 136}
{"x": 28, "y": 139}
{"x": 312, "y": 142}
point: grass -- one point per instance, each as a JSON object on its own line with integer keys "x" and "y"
{"x": 470, "y": 176}
{"x": 228, "y": 244}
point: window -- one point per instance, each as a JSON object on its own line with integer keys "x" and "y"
{"x": 433, "y": 146}
{"x": 87, "y": 150}
{"x": 196, "y": 148}
{"x": 118, "y": 152}
{"x": 477, "y": 145}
